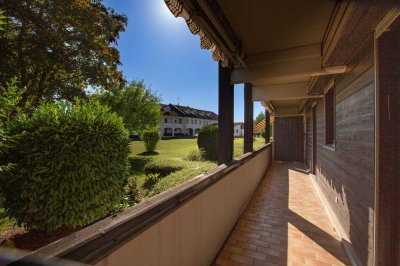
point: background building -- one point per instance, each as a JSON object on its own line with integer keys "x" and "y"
{"x": 180, "y": 121}
{"x": 238, "y": 129}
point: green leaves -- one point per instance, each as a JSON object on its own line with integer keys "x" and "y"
{"x": 70, "y": 165}
{"x": 58, "y": 48}
{"x": 138, "y": 105}
{"x": 2, "y": 20}
{"x": 150, "y": 139}
{"x": 208, "y": 141}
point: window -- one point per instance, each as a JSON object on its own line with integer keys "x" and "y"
{"x": 165, "y": 120}
{"x": 330, "y": 117}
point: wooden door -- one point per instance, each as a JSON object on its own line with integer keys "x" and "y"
{"x": 289, "y": 138}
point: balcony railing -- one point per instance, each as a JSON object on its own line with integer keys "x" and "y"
{"x": 186, "y": 225}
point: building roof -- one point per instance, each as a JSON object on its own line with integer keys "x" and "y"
{"x": 186, "y": 111}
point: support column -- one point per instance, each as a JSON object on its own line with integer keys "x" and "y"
{"x": 225, "y": 115}
{"x": 267, "y": 126}
{"x": 248, "y": 117}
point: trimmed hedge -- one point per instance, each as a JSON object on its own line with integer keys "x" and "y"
{"x": 181, "y": 176}
{"x": 150, "y": 139}
{"x": 163, "y": 167}
{"x": 208, "y": 141}
{"x": 71, "y": 166}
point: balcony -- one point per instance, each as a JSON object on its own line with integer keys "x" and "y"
{"x": 264, "y": 208}
{"x": 253, "y": 210}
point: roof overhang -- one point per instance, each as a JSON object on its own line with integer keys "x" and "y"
{"x": 283, "y": 48}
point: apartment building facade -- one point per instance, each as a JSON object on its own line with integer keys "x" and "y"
{"x": 184, "y": 121}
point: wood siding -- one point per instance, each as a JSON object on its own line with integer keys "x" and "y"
{"x": 346, "y": 173}
{"x": 309, "y": 145}
{"x": 289, "y": 138}
{"x": 388, "y": 176}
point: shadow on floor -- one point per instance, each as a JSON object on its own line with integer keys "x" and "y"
{"x": 284, "y": 223}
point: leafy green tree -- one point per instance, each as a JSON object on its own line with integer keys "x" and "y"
{"x": 260, "y": 117}
{"x": 2, "y": 20}
{"x": 58, "y": 48}
{"x": 10, "y": 95}
{"x": 137, "y": 104}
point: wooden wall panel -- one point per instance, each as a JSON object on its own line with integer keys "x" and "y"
{"x": 388, "y": 176}
{"x": 346, "y": 174}
{"x": 309, "y": 145}
{"x": 289, "y": 138}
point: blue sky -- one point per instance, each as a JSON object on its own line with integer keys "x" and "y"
{"x": 159, "y": 48}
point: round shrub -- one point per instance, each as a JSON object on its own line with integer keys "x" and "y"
{"x": 70, "y": 166}
{"x": 150, "y": 139}
{"x": 163, "y": 167}
{"x": 208, "y": 140}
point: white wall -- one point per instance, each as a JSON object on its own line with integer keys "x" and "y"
{"x": 186, "y": 124}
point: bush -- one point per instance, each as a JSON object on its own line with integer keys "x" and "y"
{"x": 71, "y": 166}
{"x": 181, "y": 176}
{"x": 195, "y": 155}
{"x": 131, "y": 192}
{"x": 208, "y": 140}
{"x": 150, "y": 139}
{"x": 151, "y": 180}
{"x": 263, "y": 133}
{"x": 163, "y": 167}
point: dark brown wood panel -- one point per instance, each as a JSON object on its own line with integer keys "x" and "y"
{"x": 225, "y": 117}
{"x": 309, "y": 144}
{"x": 289, "y": 138}
{"x": 347, "y": 173}
{"x": 388, "y": 176}
{"x": 248, "y": 118}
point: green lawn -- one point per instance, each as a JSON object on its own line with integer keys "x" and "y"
{"x": 174, "y": 149}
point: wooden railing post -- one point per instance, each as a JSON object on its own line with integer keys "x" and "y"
{"x": 225, "y": 115}
{"x": 248, "y": 117}
{"x": 267, "y": 127}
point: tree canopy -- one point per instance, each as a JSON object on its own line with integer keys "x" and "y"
{"x": 57, "y": 48}
{"x": 260, "y": 117}
{"x": 137, "y": 104}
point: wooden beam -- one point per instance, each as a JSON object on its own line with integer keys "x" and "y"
{"x": 225, "y": 115}
{"x": 291, "y": 54}
{"x": 294, "y": 90}
{"x": 267, "y": 127}
{"x": 248, "y": 118}
{"x": 278, "y": 72}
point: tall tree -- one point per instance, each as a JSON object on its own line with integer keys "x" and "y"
{"x": 137, "y": 104}
{"x": 57, "y": 48}
{"x": 260, "y": 117}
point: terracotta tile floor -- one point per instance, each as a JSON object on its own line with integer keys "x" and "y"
{"x": 284, "y": 224}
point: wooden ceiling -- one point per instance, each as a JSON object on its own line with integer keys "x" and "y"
{"x": 270, "y": 25}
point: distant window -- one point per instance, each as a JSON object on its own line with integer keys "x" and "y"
{"x": 330, "y": 116}
{"x": 165, "y": 120}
